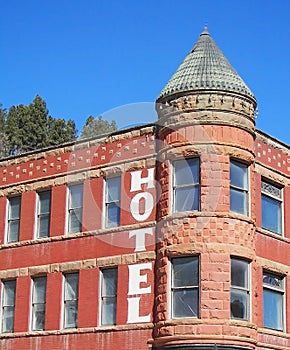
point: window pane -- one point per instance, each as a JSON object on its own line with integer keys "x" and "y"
{"x": 39, "y": 291}
{"x": 75, "y": 221}
{"x": 185, "y": 303}
{"x": 238, "y": 201}
{"x": 108, "y": 311}
{"x": 71, "y": 314}
{"x": 113, "y": 215}
{"x": 186, "y": 199}
{"x": 38, "y": 317}
{"x": 271, "y": 214}
{"x": 109, "y": 282}
{"x": 239, "y": 302}
{"x": 239, "y": 273}
{"x": 113, "y": 189}
{"x": 13, "y": 231}
{"x": 8, "y": 319}
{"x": 71, "y": 286}
{"x": 43, "y": 226}
{"x": 14, "y": 210}
{"x": 273, "y": 306}
{"x": 238, "y": 175}
{"x": 9, "y": 293}
{"x": 273, "y": 280}
{"x": 76, "y": 196}
{"x": 186, "y": 172}
{"x": 185, "y": 272}
{"x": 44, "y": 202}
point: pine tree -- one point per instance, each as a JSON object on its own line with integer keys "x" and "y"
{"x": 97, "y": 126}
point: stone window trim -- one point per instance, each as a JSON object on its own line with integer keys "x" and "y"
{"x": 274, "y": 193}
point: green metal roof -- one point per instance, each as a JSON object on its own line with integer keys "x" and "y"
{"x": 205, "y": 68}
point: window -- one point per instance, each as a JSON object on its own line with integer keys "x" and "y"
{"x": 273, "y": 297}
{"x": 271, "y": 207}
{"x": 75, "y": 208}
{"x": 109, "y": 296}
{"x": 186, "y": 185}
{"x": 240, "y": 291}
{"x": 185, "y": 287}
{"x": 239, "y": 188}
{"x": 13, "y": 219}
{"x": 43, "y": 214}
{"x": 71, "y": 286}
{"x": 113, "y": 191}
{"x": 38, "y": 303}
{"x": 8, "y": 306}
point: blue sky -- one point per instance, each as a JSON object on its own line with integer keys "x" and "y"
{"x": 93, "y": 57}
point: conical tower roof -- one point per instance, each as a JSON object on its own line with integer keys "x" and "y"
{"x": 205, "y": 68}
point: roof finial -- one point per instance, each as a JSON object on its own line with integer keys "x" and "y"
{"x": 205, "y": 31}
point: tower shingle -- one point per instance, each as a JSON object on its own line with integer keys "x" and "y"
{"x": 205, "y": 68}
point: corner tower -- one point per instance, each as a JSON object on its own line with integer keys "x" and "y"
{"x": 206, "y": 223}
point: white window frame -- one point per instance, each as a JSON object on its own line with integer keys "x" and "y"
{"x": 172, "y": 288}
{"x": 71, "y": 209}
{"x": 107, "y": 203}
{"x": 8, "y": 219}
{"x": 64, "y": 301}
{"x": 3, "y": 306}
{"x": 245, "y": 191}
{"x": 101, "y": 296}
{"x": 268, "y": 190}
{"x": 32, "y": 314}
{"x": 243, "y": 290}
{"x": 175, "y": 187}
{"x": 39, "y": 215}
{"x": 277, "y": 290}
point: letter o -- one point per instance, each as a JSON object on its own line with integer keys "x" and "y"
{"x": 135, "y": 206}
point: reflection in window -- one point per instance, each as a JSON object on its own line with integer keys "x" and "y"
{"x": 240, "y": 292}
{"x": 75, "y": 208}
{"x": 186, "y": 185}
{"x": 185, "y": 287}
{"x": 43, "y": 214}
{"x": 109, "y": 296}
{"x": 271, "y": 207}
{"x": 38, "y": 303}
{"x": 71, "y": 286}
{"x": 239, "y": 187}
{"x": 13, "y": 222}
{"x": 273, "y": 298}
{"x": 113, "y": 191}
{"x": 8, "y": 306}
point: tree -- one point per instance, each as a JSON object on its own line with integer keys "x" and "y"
{"x": 3, "y": 140}
{"x": 97, "y": 126}
{"x": 31, "y": 127}
{"x": 60, "y": 131}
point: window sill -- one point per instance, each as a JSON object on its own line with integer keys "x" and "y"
{"x": 273, "y": 235}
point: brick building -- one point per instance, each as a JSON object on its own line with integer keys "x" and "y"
{"x": 172, "y": 235}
